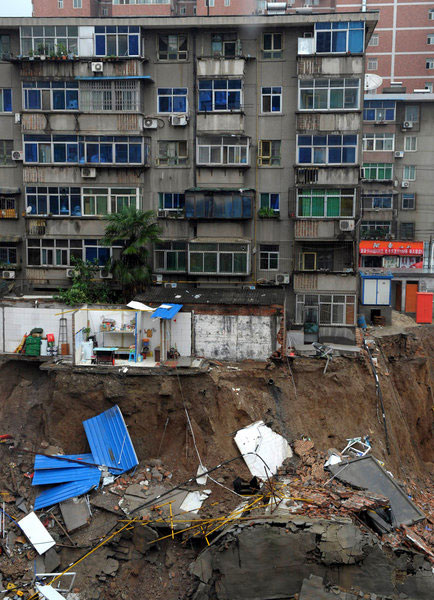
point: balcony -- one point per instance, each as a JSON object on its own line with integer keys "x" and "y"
{"x": 211, "y": 67}
{"x": 314, "y": 229}
{"x": 315, "y": 121}
{"x": 223, "y": 151}
{"x": 324, "y": 257}
{"x": 219, "y": 205}
{"x": 327, "y": 176}
{"x": 310, "y": 282}
{"x": 329, "y": 65}
{"x": 220, "y": 122}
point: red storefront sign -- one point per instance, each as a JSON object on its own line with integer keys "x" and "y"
{"x": 386, "y": 248}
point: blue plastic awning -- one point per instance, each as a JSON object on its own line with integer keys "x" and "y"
{"x": 166, "y": 313}
{"x": 60, "y": 493}
{"x": 110, "y": 441}
{"x": 48, "y": 476}
{"x": 97, "y": 78}
{"x": 51, "y": 462}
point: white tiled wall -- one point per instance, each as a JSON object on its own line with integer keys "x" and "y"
{"x": 181, "y": 333}
{"x": 21, "y": 320}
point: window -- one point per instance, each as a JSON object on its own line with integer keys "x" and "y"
{"x": 225, "y": 45}
{"x": 96, "y": 253}
{"x": 379, "y": 110}
{"x": 406, "y": 231}
{"x": 5, "y": 100}
{"x": 172, "y": 100}
{"x": 49, "y": 39}
{"x": 231, "y": 150}
{"x": 409, "y": 173}
{"x": 377, "y": 171}
{"x": 272, "y": 45}
{"x": 372, "y": 64}
{"x": 334, "y": 309}
{"x": 430, "y": 39}
{"x": 60, "y": 4}
{"x": 326, "y": 149}
{"x": 171, "y": 202}
{"x": 271, "y": 99}
{"x": 374, "y": 40}
{"x": 209, "y": 3}
{"x": 412, "y": 113}
{"x": 325, "y": 94}
{"x": 377, "y": 201}
{"x": 74, "y": 149}
{"x": 8, "y": 254}
{"x": 229, "y": 205}
{"x": 53, "y": 253}
{"x": 101, "y": 201}
{"x": 8, "y": 207}
{"x": 269, "y": 153}
{"x": 375, "y": 229}
{"x": 408, "y": 202}
{"x": 5, "y": 46}
{"x": 270, "y": 201}
{"x": 172, "y": 47}
{"x": 6, "y": 147}
{"x": 330, "y": 203}
{"x": 269, "y": 257}
{"x": 54, "y": 95}
{"x": 106, "y": 95}
{"x": 227, "y": 3}
{"x": 340, "y": 37}
{"x": 104, "y": 12}
{"x": 429, "y": 86}
{"x": 121, "y": 40}
{"x": 172, "y": 153}
{"x": 56, "y": 201}
{"x": 77, "y": 4}
{"x": 220, "y": 94}
{"x": 410, "y": 143}
{"x": 218, "y": 259}
{"x": 429, "y": 63}
{"x": 171, "y": 256}
{"x": 183, "y": 10}
{"x": 374, "y": 142}
{"x": 431, "y": 14}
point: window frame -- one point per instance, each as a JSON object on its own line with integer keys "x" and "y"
{"x": 324, "y": 151}
{"x": 225, "y": 45}
{"x": 411, "y": 170}
{"x": 377, "y": 140}
{"x": 216, "y": 91}
{"x": 268, "y": 253}
{"x": 407, "y": 138}
{"x": 266, "y": 201}
{"x": 303, "y": 87}
{"x": 275, "y": 53}
{"x": 171, "y": 97}
{"x": 408, "y": 196}
{"x": 51, "y": 87}
{"x": 6, "y": 148}
{"x": 165, "y": 254}
{"x": 94, "y": 99}
{"x": 306, "y": 196}
{"x": 169, "y": 53}
{"x": 374, "y": 37}
{"x": 177, "y": 201}
{"x": 240, "y": 151}
{"x": 275, "y": 92}
{"x": 378, "y": 167}
{"x": 372, "y": 63}
{"x": 380, "y": 113}
{"x": 10, "y": 252}
{"x": 9, "y": 101}
{"x": 51, "y": 41}
{"x": 317, "y": 300}
{"x": 219, "y": 249}
{"x": 338, "y": 27}
{"x": 77, "y": 4}
{"x": 177, "y": 159}
{"x": 49, "y": 247}
{"x": 411, "y": 226}
{"x": 368, "y": 226}
{"x": 272, "y": 157}
{"x": 412, "y": 107}
{"x": 103, "y": 32}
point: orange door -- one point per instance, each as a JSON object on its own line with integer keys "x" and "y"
{"x": 410, "y": 297}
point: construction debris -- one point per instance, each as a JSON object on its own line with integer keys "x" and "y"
{"x": 36, "y": 533}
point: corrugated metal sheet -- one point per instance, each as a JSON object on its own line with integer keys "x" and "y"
{"x": 47, "y": 476}
{"x": 60, "y": 493}
{"x": 166, "y": 313}
{"x": 51, "y": 462}
{"x": 158, "y": 294}
{"x": 110, "y": 441}
{"x": 309, "y": 65}
{"x": 306, "y": 229}
{"x": 127, "y": 122}
{"x": 305, "y": 281}
{"x": 33, "y": 122}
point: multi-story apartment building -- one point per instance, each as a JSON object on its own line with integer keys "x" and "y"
{"x": 107, "y": 8}
{"x": 247, "y": 145}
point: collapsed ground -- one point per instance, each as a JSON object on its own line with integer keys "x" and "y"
{"x": 40, "y": 408}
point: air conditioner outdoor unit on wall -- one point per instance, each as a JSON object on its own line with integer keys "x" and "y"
{"x": 105, "y": 274}
{"x": 150, "y": 124}
{"x": 346, "y": 225}
{"x": 178, "y": 120}
{"x": 399, "y": 154}
{"x": 407, "y": 125}
{"x": 282, "y": 279}
{"x": 405, "y": 184}
{"x": 97, "y": 67}
{"x": 70, "y": 273}
{"x": 88, "y": 173}
{"x": 8, "y": 274}
{"x": 17, "y": 155}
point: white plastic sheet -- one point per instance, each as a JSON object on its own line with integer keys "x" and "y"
{"x": 49, "y": 592}
{"x": 269, "y": 449}
{"x": 36, "y": 533}
{"x": 194, "y": 500}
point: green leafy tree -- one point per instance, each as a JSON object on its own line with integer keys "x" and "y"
{"x": 134, "y": 230}
{"x": 84, "y": 289}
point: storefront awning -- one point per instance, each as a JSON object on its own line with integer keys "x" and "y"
{"x": 386, "y": 248}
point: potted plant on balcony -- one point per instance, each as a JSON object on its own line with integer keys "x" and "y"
{"x": 31, "y": 56}
{"x": 62, "y": 51}
{"x": 42, "y": 52}
{"x": 267, "y": 213}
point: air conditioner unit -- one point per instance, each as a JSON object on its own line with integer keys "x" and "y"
{"x": 17, "y": 155}
{"x": 70, "y": 273}
{"x": 105, "y": 274}
{"x": 399, "y": 154}
{"x": 157, "y": 279}
{"x": 346, "y": 225}
{"x": 407, "y": 125}
{"x": 97, "y": 67}
{"x": 178, "y": 120}
{"x": 405, "y": 184}
{"x": 170, "y": 285}
{"x": 150, "y": 124}
{"x": 282, "y": 279}
{"x": 8, "y": 274}
{"x": 88, "y": 173}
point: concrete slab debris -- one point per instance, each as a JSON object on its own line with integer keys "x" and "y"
{"x": 36, "y": 533}
{"x": 263, "y": 450}
{"x": 75, "y": 513}
{"x": 193, "y": 501}
{"x": 49, "y": 592}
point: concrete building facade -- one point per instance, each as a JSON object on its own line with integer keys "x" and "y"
{"x": 246, "y": 141}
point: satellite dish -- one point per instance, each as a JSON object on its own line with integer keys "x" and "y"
{"x": 28, "y": 210}
{"x": 372, "y": 81}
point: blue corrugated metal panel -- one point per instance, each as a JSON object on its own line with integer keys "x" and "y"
{"x": 49, "y": 476}
{"x": 60, "y": 493}
{"x": 50, "y": 462}
{"x": 110, "y": 441}
{"x": 167, "y": 313}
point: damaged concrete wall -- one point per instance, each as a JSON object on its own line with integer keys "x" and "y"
{"x": 285, "y": 553}
{"x": 231, "y": 337}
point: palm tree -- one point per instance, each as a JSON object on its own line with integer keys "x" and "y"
{"x": 134, "y": 230}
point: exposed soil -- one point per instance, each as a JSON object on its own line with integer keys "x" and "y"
{"x": 39, "y": 406}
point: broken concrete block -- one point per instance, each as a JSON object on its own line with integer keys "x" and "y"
{"x": 75, "y": 513}
{"x": 110, "y": 567}
{"x": 51, "y": 561}
{"x": 156, "y": 474}
{"x": 143, "y": 538}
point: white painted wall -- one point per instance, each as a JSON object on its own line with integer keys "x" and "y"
{"x": 21, "y": 320}
{"x": 181, "y": 333}
{"x": 234, "y": 337}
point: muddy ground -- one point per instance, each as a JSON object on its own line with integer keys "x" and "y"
{"x": 295, "y": 400}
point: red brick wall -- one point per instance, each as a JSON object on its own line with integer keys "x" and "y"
{"x": 139, "y": 10}
{"x": 50, "y": 8}
{"x": 237, "y": 7}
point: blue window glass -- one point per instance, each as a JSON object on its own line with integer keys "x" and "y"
{"x": 304, "y": 140}
{"x": 179, "y": 104}
{"x": 76, "y": 205}
{"x": 7, "y": 100}
{"x": 274, "y": 201}
{"x": 220, "y": 100}
{"x": 72, "y": 99}
{"x": 31, "y": 153}
{"x": 134, "y": 29}
{"x": 348, "y": 155}
{"x": 234, "y": 100}
{"x": 106, "y": 153}
{"x": 350, "y": 140}
{"x": 91, "y": 254}
{"x": 135, "y": 153}
{"x": 323, "y": 41}
{"x": 339, "y": 41}
{"x": 42, "y": 205}
{"x": 31, "y": 201}
{"x": 189, "y": 208}
{"x": 335, "y": 155}
{"x": 275, "y": 104}
{"x": 81, "y": 154}
{"x": 54, "y": 204}
{"x": 59, "y": 153}
{"x": 99, "y": 29}
{"x": 72, "y": 153}
{"x": 100, "y": 45}
{"x": 247, "y": 207}
{"x": 305, "y": 155}
{"x": 205, "y": 100}
{"x": 164, "y": 104}
{"x": 356, "y": 41}
{"x": 121, "y": 153}
{"x": 64, "y": 205}
{"x": 33, "y": 99}
{"x": 103, "y": 256}
{"x": 133, "y": 45}
{"x": 92, "y": 153}
{"x": 234, "y": 84}
{"x": 58, "y": 100}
